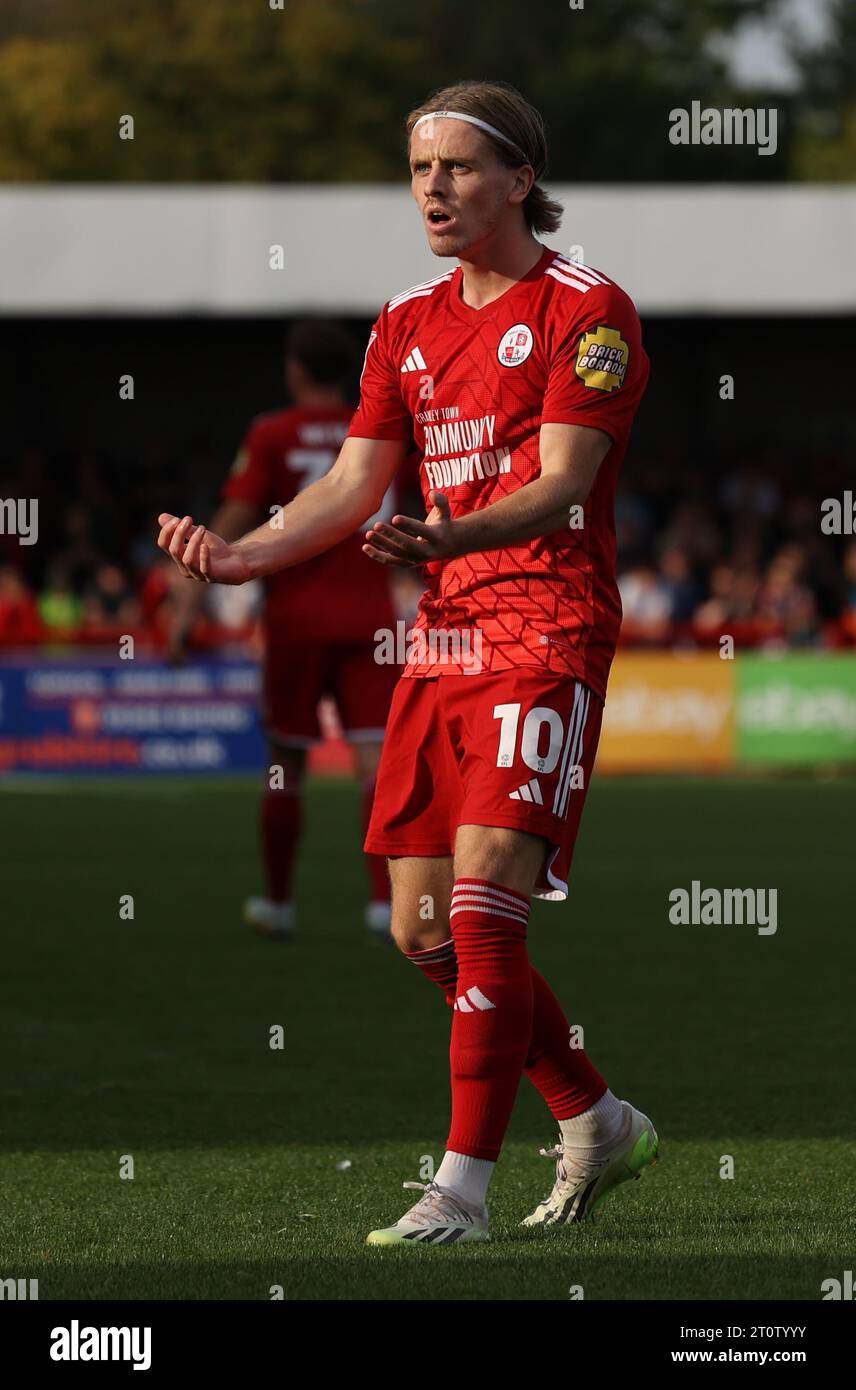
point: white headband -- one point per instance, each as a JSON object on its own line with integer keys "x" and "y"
{"x": 471, "y": 120}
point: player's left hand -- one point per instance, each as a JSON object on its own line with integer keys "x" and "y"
{"x": 405, "y": 541}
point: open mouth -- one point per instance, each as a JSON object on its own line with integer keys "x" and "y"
{"x": 437, "y": 218}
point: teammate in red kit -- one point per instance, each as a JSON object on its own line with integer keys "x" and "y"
{"x": 519, "y": 373}
{"x": 319, "y": 620}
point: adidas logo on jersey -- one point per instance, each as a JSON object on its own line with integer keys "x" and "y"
{"x": 472, "y": 1000}
{"x": 414, "y": 362}
{"x": 530, "y": 791}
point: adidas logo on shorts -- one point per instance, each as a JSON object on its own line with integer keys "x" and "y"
{"x": 530, "y": 791}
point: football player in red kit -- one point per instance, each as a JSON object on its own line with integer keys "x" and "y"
{"x": 519, "y": 372}
{"x": 319, "y": 620}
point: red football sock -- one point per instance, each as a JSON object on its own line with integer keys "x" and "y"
{"x": 440, "y": 964}
{"x": 281, "y": 823}
{"x": 375, "y": 863}
{"x": 564, "y": 1075}
{"x": 492, "y": 1018}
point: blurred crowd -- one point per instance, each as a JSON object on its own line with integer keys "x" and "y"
{"x": 702, "y": 551}
{"x": 736, "y": 548}
{"x": 95, "y": 572}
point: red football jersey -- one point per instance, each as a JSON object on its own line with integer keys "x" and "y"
{"x": 341, "y": 595}
{"x": 562, "y": 345}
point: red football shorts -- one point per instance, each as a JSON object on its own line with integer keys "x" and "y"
{"x": 297, "y": 675}
{"x": 513, "y": 748}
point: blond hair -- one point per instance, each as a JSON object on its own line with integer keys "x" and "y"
{"x": 502, "y": 106}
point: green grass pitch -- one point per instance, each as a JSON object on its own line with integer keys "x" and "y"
{"x": 150, "y": 1038}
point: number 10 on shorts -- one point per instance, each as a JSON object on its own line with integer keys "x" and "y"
{"x": 542, "y": 726}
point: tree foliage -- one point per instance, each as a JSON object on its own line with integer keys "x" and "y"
{"x": 234, "y": 90}
{"x": 825, "y": 145}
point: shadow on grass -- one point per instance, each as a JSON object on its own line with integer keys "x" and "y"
{"x": 538, "y": 1269}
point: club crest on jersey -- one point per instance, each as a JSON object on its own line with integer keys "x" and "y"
{"x": 515, "y": 345}
{"x": 602, "y": 358}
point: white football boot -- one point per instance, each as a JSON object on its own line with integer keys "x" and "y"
{"x": 582, "y": 1183}
{"x": 441, "y": 1217}
{"x": 274, "y": 920}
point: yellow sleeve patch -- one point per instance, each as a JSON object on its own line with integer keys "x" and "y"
{"x": 602, "y": 359}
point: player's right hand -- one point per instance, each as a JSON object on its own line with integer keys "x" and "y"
{"x": 199, "y": 554}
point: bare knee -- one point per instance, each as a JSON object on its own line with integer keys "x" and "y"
{"x": 410, "y": 937}
{"x": 500, "y": 855}
{"x": 421, "y": 891}
{"x": 415, "y": 927}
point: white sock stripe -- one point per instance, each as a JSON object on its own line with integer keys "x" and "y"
{"x": 488, "y": 911}
{"x": 470, "y": 895}
{"x": 478, "y": 911}
{"x": 469, "y": 885}
{"x": 500, "y": 905}
{"x": 446, "y": 948}
{"x": 495, "y": 897}
{"x": 522, "y": 918}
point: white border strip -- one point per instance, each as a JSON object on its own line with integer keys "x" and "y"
{"x": 348, "y": 248}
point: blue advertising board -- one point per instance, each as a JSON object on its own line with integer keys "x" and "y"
{"x": 89, "y": 712}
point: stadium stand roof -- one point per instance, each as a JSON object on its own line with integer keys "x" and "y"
{"x": 719, "y": 249}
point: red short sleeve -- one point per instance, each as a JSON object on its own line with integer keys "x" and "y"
{"x": 599, "y": 368}
{"x": 381, "y": 413}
